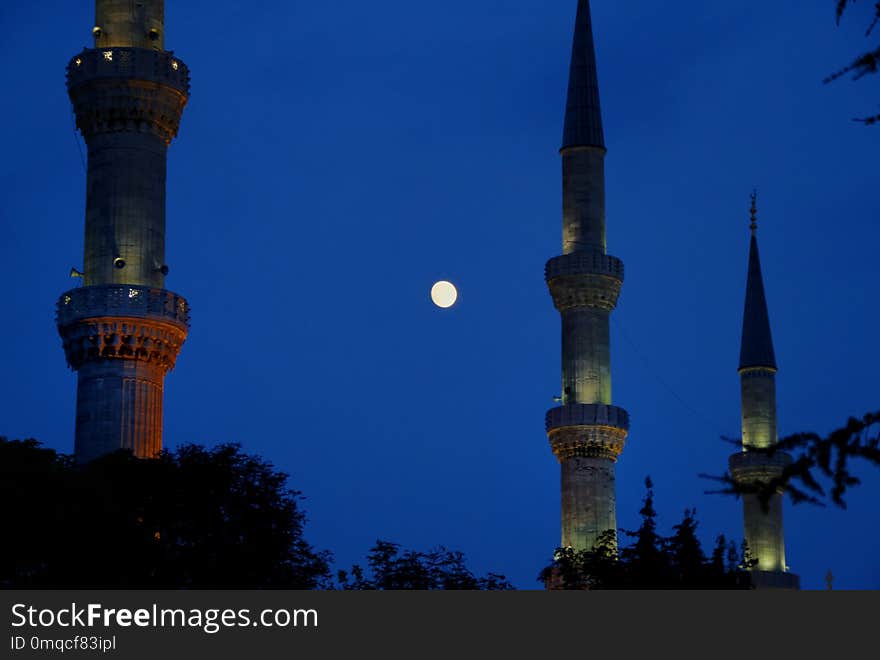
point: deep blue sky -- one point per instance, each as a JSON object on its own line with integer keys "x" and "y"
{"x": 336, "y": 158}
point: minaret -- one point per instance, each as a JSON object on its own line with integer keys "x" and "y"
{"x": 757, "y": 370}
{"x": 122, "y": 330}
{"x": 586, "y": 432}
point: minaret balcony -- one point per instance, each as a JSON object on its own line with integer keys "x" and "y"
{"x": 758, "y": 466}
{"x": 122, "y": 300}
{"x": 157, "y": 66}
{"x": 587, "y": 414}
{"x": 584, "y": 263}
{"x": 584, "y": 280}
{"x": 122, "y": 321}
{"x": 128, "y": 89}
{"x": 587, "y": 429}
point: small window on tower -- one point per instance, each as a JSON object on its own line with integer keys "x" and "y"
{"x": 174, "y": 64}
{"x": 154, "y": 34}
{"x": 78, "y": 61}
{"x": 108, "y": 55}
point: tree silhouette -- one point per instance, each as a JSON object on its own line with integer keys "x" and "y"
{"x": 645, "y": 560}
{"x": 864, "y": 64}
{"x": 192, "y": 518}
{"x": 686, "y": 556}
{"x": 438, "y": 569}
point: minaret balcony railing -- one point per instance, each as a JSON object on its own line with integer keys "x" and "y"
{"x": 589, "y": 430}
{"x": 122, "y": 300}
{"x": 149, "y": 65}
{"x": 587, "y": 414}
{"x": 758, "y": 466}
{"x": 584, "y": 263}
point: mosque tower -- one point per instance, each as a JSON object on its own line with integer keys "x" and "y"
{"x": 586, "y": 432}
{"x": 122, "y": 330}
{"x": 757, "y": 371}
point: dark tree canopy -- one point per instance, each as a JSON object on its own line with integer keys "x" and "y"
{"x": 438, "y": 569}
{"x": 866, "y": 63}
{"x": 650, "y": 561}
{"x": 192, "y": 518}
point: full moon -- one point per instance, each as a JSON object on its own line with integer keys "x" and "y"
{"x": 444, "y": 294}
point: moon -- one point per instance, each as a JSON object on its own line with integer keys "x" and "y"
{"x": 444, "y": 294}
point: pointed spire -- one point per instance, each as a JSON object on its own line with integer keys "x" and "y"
{"x": 754, "y": 213}
{"x": 583, "y": 116}
{"x": 757, "y": 343}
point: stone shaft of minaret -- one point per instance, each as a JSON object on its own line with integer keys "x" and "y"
{"x": 122, "y": 330}
{"x": 126, "y": 23}
{"x": 763, "y": 528}
{"x": 586, "y": 432}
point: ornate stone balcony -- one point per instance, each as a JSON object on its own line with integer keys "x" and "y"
{"x": 751, "y": 466}
{"x": 584, "y": 280}
{"x": 587, "y": 414}
{"x": 128, "y": 89}
{"x": 122, "y": 322}
{"x": 122, "y": 300}
{"x": 156, "y": 66}
{"x": 590, "y": 430}
{"x": 584, "y": 263}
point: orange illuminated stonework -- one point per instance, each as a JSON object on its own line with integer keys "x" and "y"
{"x": 148, "y": 340}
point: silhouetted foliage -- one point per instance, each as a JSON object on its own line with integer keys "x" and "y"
{"x": 814, "y": 457}
{"x": 687, "y": 560}
{"x": 864, "y": 64}
{"x": 391, "y": 568}
{"x": 650, "y": 561}
{"x": 644, "y": 558}
{"x": 192, "y": 518}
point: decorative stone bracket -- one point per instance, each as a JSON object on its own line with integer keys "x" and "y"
{"x": 120, "y": 338}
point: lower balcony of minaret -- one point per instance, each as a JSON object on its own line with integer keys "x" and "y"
{"x": 122, "y": 322}
{"x": 750, "y": 467}
{"x": 587, "y": 431}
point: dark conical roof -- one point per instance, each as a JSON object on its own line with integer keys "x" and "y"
{"x": 757, "y": 344}
{"x": 583, "y": 116}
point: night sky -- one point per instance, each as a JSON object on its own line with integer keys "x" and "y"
{"x": 337, "y": 158}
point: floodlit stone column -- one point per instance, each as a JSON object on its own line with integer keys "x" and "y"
{"x": 757, "y": 369}
{"x": 586, "y": 432}
{"x": 122, "y": 330}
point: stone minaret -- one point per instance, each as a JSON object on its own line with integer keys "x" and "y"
{"x": 757, "y": 370}
{"x": 586, "y": 432}
{"x": 122, "y": 330}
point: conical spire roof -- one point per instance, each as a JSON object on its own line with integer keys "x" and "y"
{"x": 583, "y": 116}
{"x": 757, "y": 344}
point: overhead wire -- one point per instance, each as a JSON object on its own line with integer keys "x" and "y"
{"x": 649, "y": 367}
{"x": 82, "y": 158}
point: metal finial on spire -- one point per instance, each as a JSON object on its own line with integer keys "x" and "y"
{"x": 754, "y": 212}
